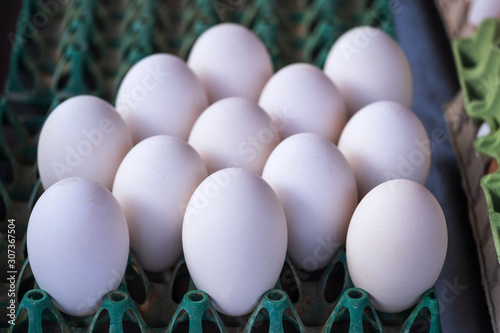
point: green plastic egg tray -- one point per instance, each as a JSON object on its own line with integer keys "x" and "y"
{"x": 86, "y": 47}
{"x": 478, "y": 65}
{"x": 325, "y": 301}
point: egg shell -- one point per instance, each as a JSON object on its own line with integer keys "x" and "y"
{"x": 78, "y": 244}
{"x": 234, "y": 238}
{"x": 160, "y": 95}
{"x": 483, "y": 130}
{"x": 230, "y": 60}
{"x": 384, "y": 141}
{"x": 367, "y": 66}
{"x": 234, "y": 132}
{"x": 153, "y": 185}
{"x": 480, "y": 10}
{"x": 301, "y": 98}
{"x": 84, "y": 136}
{"x": 318, "y": 191}
{"x": 396, "y": 244}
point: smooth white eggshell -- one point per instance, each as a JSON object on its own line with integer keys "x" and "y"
{"x": 160, "y": 95}
{"x": 234, "y": 132}
{"x": 480, "y": 10}
{"x": 234, "y": 238}
{"x": 318, "y": 191}
{"x": 367, "y": 66}
{"x": 301, "y": 98}
{"x": 483, "y": 130}
{"x": 230, "y": 60}
{"x": 396, "y": 244}
{"x": 83, "y": 137}
{"x": 78, "y": 244}
{"x": 153, "y": 185}
{"x": 384, "y": 141}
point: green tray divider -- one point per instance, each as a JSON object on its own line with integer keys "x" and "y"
{"x": 74, "y": 65}
{"x": 313, "y": 304}
{"x": 138, "y": 38}
{"x": 18, "y": 56}
{"x": 77, "y": 64}
{"x": 478, "y": 65}
{"x": 23, "y": 275}
{"x": 381, "y": 15}
{"x": 21, "y": 64}
{"x": 355, "y": 306}
{"x": 278, "y": 309}
{"x": 31, "y": 61}
{"x": 37, "y": 303}
{"x": 491, "y": 188}
{"x": 266, "y": 27}
{"x": 484, "y": 144}
{"x": 427, "y": 302}
{"x": 194, "y": 308}
{"x": 120, "y": 308}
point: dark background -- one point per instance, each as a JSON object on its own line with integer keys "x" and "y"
{"x": 423, "y": 39}
{"x": 8, "y": 17}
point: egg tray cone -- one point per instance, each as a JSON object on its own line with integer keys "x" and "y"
{"x": 86, "y": 47}
{"x": 478, "y": 64}
{"x": 323, "y": 301}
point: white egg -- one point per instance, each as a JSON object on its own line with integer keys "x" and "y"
{"x": 384, "y": 141}
{"x": 367, "y": 66}
{"x": 301, "y": 98}
{"x": 318, "y": 191}
{"x": 482, "y": 9}
{"x": 153, "y": 185}
{"x": 396, "y": 244}
{"x": 234, "y": 239}
{"x": 85, "y": 137}
{"x": 234, "y": 132}
{"x": 160, "y": 95}
{"x": 483, "y": 130}
{"x": 78, "y": 244}
{"x": 230, "y": 60}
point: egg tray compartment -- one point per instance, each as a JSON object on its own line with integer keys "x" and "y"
{"x": 168, "y": 302}
{"x": 478, "y": 64}
{"x": 87, "y": 46}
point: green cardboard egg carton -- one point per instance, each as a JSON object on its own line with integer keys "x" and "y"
{"x": 478, "y": 65}
{"x": 86, "y": 47}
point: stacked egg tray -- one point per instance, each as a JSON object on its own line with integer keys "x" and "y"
{"x": 64, "y": 48}
{"x": 478, "y": 65}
